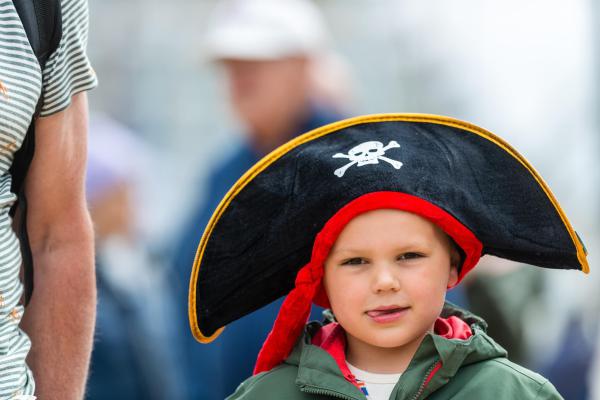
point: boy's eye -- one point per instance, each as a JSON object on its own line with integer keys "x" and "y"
{"x": 409, "y": 256}
{"x": 354, "y": 261}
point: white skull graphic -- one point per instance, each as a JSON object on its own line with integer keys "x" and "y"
{"x": 367, "y": 153}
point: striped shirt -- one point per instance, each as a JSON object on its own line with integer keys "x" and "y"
{"x": 21, "y": 82}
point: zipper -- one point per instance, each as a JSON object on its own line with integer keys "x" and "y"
{"x": 325, "y": 392}
{"x": 430, "y": 372}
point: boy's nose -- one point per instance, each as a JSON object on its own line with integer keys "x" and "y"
{"x": 384, "y": 279}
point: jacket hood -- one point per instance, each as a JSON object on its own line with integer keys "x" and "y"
{"x": 437, "y": 360}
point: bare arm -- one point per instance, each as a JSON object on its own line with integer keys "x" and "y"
{"x": 60, "y": 317}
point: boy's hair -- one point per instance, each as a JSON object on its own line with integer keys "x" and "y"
{"x": 457, "y": 255}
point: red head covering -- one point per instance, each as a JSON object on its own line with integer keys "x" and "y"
{"x": 308, "y": 288}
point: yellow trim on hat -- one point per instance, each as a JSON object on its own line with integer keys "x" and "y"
{"x": 336, "y": 126}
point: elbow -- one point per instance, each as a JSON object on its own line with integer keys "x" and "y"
{"x": 73, "y": 231}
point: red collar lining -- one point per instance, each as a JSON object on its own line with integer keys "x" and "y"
{"x": 332, "y": 339}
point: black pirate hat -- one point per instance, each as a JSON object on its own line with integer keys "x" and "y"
{"x": 285, "y": 213}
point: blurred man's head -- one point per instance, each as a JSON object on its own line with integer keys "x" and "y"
{"x": 266, "y": 47}
{"x": 268, "y": 94}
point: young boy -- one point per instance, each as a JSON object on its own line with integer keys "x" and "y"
{"x": 378, "y": 237}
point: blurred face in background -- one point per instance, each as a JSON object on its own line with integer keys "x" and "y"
{"x": 270, "y": 96}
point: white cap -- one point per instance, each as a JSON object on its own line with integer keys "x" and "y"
{"x": 265, "y": 29}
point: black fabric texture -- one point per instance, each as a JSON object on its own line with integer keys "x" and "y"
{"x": 266, "y": 233}
{"x": 42, "y": 20}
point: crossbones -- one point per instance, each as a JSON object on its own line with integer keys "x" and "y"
{"x": 367, "y": 153}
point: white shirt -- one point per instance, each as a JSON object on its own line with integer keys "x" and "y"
{"x": 379, "y": 386}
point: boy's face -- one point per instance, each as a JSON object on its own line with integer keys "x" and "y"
{"x": 386, "y": 278}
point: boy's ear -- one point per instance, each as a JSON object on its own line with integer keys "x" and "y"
{"x": 455, "y": 261}
{"x": 453, "y": 276}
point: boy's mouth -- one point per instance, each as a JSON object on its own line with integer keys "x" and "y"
{"x": 385, "y": 314}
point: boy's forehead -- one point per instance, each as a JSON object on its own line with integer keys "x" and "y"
{"x": 398, "y": 228}
{"x": 396, "y": 224}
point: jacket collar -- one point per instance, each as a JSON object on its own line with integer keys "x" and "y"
{"x": 459, "y": 339}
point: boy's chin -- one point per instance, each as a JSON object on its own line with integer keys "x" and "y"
{"x": 391, "y": 338}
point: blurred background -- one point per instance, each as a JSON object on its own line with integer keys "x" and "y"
{"x": 193, "y": 92}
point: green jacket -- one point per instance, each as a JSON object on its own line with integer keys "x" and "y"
{"x": 476, "y": 368}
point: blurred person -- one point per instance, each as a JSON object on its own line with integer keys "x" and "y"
{"x": 575, "y": 363}
{"x": 593, "y": 376}
{"x": 504, "y": 293}
{"x": 571, "y": 366}
{"x": 590, "y": 316}
{"x": 135, "y": 355}
{"x": 270, "y": 51}
{"x": 51, "y": 339}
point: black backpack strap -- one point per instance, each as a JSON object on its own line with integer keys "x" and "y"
{"x": 42, "y": 20}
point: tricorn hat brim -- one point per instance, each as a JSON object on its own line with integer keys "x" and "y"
{"x": 263, "y": 230}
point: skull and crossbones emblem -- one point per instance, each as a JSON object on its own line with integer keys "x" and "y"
{"x": 367, "y": 153}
